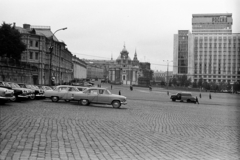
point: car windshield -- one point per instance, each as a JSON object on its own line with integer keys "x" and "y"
{"x": 47, "y": 88}
{"x": 36, "y": 87}
{"x": 14, "y": 85}
{"x": 22, "y": 85}
{"x": 29, "y": 86}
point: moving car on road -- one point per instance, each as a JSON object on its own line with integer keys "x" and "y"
{"x": 183, "y": 96}
{"x": 100, "y": 96}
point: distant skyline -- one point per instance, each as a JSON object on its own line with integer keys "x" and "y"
{"x": 98, "y": 29}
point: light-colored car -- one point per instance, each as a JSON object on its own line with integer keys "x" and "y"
{"x": 62, "y": 92}
{"x": 81, "y": 88}
{"x": 46, "y": 88}
{"x": 6, "y": 95}
{"x": 100, "y": 96}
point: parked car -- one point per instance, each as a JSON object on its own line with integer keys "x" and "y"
{"x": 183, "y": 96}
{"x": 39, "y": 93}
{"x": 62, "y": 92}
{"x": 20, "y": 93}
{"x": 45, "y": 88}
{"x": 100, "y": 96}
{"x": 29, "y": 88}
{"x": 81, "y": 88}
{"x": 6, "y": 95}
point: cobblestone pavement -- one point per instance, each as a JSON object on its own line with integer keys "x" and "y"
{"x": 143, "y": 129}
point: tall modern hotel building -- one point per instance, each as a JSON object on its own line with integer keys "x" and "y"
{"x": 210, "y": 52}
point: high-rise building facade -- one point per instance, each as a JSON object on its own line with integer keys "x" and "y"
{"x": 210, "y": 52}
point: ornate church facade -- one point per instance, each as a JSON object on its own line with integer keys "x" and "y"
{"x": 124, "y": 71}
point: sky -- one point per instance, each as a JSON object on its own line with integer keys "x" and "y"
{"x": 98, "y": 29}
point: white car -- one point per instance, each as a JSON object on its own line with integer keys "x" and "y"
{"x": 6, "y": 95}
{"x": 100, "y": 96}
{"x": 62, "y": 92}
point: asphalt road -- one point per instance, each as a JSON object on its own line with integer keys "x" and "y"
{"x": 150, "y": 126}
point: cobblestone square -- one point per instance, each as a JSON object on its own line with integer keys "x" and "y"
{"x": 150, "y": 126}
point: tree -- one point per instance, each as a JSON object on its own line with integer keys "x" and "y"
{"x": 200, "y": 82}
{"x": 11, "y": 45}
{"x": 174, "y": 81}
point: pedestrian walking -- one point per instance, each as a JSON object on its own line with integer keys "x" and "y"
{"x": 111, "y": 87}
{"x": 200, "y": 95}
{"x": 210, "y": 96}
{"x": 150, "y": 88}
{"x": 131, "y": 88}
{"x": 119, "y": 92}
{"x": 197, "y": 100}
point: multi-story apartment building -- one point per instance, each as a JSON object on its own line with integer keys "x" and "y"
{"x": 38, "y": 40}
{"x": 210, "y": 52}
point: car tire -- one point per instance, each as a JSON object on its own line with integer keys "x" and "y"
{"x": 55, "y": 99}
{"x": 116, "y": 104}
{"x": 32, "y": 97}
{"x": 84, "y": 102}
{"x": 173, "y": 100}
{"x": 14, "y": 99}
{"x": 188, "y": 100}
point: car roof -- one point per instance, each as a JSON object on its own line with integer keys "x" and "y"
{"x": 96, "y": 88}
{"x": 185, "y": 92}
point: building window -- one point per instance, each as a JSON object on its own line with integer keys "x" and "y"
{"x": 36, "y": 44}
{"x": 31, "y": 55}
{"x": 31, "y": 43}
{"x": 36, "y": 55}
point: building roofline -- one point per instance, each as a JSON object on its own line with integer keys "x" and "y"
{"x": 212, "y": 14}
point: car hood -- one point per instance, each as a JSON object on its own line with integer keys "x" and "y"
{"x": 118, "y": 95}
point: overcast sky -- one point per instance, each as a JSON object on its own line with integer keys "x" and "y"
{"x": 98, "y": 29}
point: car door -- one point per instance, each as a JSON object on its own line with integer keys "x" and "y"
{"x": 71, "y": 92}
{"x": 62, "y": 92}
{"x": 91, "y": 95}
{"x": 103, "y": 96}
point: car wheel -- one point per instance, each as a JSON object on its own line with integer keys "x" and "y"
{"x": 32, "y": 97}
{"x": 188, "y": 100}
{"x": 14, "y": 99}
{"x": 66, "y": 100}
{"x": 116, "y": 104}
{"x": 174, "y": 100}
{"x": 55, "y": 99}
{"x": 84, "y": 102}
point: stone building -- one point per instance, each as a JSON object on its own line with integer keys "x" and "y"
{"x": 103, "y": 64}
{"x": 79, "y": 68}
{"x": 38, "y": 40}
{"x": 124, "y": 71}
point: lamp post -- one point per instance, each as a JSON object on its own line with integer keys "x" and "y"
{"x": 51, "y": 49}
{"x": 167, "y": 69}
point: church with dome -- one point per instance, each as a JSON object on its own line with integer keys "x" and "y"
{"x": 125, "y": 70}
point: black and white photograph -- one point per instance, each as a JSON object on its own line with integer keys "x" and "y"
{"x": 120, "y": 80}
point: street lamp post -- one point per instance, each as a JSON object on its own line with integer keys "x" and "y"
{"x": 167, "y": 69}
{"x": 51, "y": 49}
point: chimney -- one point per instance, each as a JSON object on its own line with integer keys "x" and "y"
{"x": 26, "y": 26}
{"x": 14, "y": 24}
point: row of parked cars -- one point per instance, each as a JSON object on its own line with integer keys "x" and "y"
{"x": 10, "y": 91}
